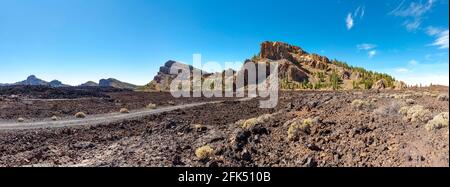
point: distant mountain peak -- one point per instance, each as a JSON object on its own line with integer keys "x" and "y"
{"x": 31, "y": 77}
{"x": 32, "y": 80}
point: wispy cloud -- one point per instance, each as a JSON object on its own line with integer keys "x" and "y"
{"x": 433, "y": 30}
{"x": 413, "y": 62}
{"x": 441, "y": 37}
{"x": 413, "y": 12}
{"x": 351, "y": 16}
{"x": 349, "y": 21}
{"x": 401, "y": 70}
{"x": 369, "y": 48}
{"x": 366, "y": 46}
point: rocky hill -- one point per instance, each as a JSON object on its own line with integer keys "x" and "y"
{"x": 299, "y": 69}
{"x": 57, "y": 83}
{"x": 162, "y": 80}
{"x": 90, "y": 84}
{"x": 116, "y": 84}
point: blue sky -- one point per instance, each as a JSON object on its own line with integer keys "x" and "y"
{"x": 79, "y": 40}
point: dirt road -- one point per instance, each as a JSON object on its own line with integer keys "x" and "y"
{"x": 97, "y": 119}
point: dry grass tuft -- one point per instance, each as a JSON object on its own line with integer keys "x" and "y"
{"x": 20, "y": 120}
{"x": 151, "y": 106}
{"x": 438, "y": 122}
{"x": 80, "y": 115}
{"x": 124, "y": 111}
{"x": 204, "y": 152}
{"x": 361, "y": 104}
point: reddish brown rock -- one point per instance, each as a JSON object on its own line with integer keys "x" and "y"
{"x": 279, "y": 50}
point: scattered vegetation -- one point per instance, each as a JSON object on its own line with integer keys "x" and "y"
{"x": 321, "y": 82}
{"x": 404, "y": 110}
{"x": 418, "y": 94}
{"x": 361, "y": 104}
{"x": 438, "y": 122}
{"x": 20, "y": 120}
{"x": 54, "y": 118}
{"x": 250, "y": 123}
{"x": 368, "y": 78}
{"x": 124, "y": 111}
{"x": 419, "y": 114}
{"x": 151, "y": 106}
{"x": 297, "y": 127}
{"x": 335, "y": 80}
{"x": 80, "y": 115}
{"x": 204, "y": 152}
{"x": 355, "y": 85}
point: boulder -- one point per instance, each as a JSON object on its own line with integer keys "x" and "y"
{"x": 381, "y": 84}
{"x": 400, "y": 85}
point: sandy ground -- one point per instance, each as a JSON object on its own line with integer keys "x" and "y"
{"x": 341, "y": 134}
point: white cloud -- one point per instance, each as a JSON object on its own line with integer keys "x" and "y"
{"x": 366, "y": 46}
{"x": 372, "y": 53}
{"x": 349, "y": 21}
{"x": 441, "y": 36}
{"x": 441, "y": 40}
{"x": 412, "y": 25}
{"x": 413, "y": 62}
{"x": 401, "y": 70}
{"x": 369, "y": 48}
{"x": 351, "y": 16}
{"x": 414, "y": 13}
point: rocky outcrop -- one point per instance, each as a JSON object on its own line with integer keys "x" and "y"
{"x": 287, "y": 70}
{"x": 381, "y": 84}
{"x": 346, "y": 75}
{"x": 279, "y": 50}
{"x": 400, "y": 85}
{"x": 161, "y": 82}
